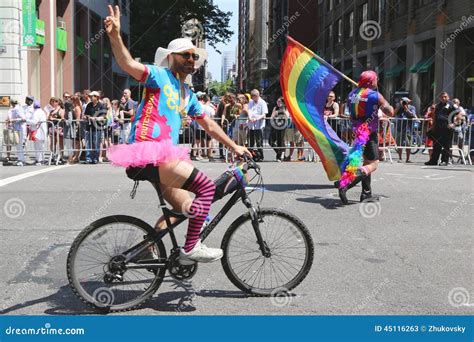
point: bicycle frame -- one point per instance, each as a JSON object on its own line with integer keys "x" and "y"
{"x": 132, "y": 252}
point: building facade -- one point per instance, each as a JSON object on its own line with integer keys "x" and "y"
{"x": 48, "y": 47}
{"x": 228, "y": 60}
{"x": 253, "y": 42}
{"x": 421, "y": 47}
{"x": 263, "y": 27}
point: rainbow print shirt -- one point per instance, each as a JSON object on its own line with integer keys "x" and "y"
{"x": 364, "y": 104}
{"x": 158, "y": 116}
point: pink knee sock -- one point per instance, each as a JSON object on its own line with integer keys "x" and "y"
{"x": 365, "y": 170}
{"x": 204, "y": 189}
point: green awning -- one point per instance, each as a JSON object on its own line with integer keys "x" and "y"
{"x": 423, "y": 65}
{"x": 379, "y": 69}
{"x": 426, "y": 66}
{"x": 395, "y": 71}
{"x": 40, "y": 32}
{"x": 347, "y": 71}
{"x": 61, "y": 39}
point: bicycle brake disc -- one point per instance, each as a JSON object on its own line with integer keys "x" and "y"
{"x": 178, "y": 271}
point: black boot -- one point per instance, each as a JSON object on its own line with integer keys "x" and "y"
{"x": 342, "y": 191}
{"x": 366, "y": 189}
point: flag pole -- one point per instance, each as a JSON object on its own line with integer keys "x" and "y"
{"x": 322, "y": 61}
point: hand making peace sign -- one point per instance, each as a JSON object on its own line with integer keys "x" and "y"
{"x": 112, "y": 22}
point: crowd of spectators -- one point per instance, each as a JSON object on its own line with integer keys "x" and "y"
{"x": 80, "y": 127}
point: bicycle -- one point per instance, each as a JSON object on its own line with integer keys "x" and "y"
{"x": 267, "y": 251}
{"x": 415, "y": 141}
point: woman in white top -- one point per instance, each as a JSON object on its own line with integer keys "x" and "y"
{"x": 38, "y": 128}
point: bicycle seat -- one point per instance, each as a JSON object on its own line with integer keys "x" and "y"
{"x": 147, "y": 173}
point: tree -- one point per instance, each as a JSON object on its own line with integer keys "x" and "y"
{"x": 220, "y": 88}
{"x": 155, "y": 23}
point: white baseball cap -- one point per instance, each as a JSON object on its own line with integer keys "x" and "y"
{"x": 179, "y": 45}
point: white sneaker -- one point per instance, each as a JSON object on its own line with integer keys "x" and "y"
{"x": 19, "y": 163}
{"x": 200, "y": 253}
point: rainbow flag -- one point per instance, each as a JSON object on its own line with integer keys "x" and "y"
{"x": 305, "y": 83}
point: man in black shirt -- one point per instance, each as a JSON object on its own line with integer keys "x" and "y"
{"x": 442, "y": 132}
{"x": 95, "y": 116}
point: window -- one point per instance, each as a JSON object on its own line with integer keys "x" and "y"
{"x": 381, "y": 8}
{"x": 327, "y": 38}
{"x": 351, "y": 24}
{"x": 339, "y": 31}
{"x": 124, "y": 7}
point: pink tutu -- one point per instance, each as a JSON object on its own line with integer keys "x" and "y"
{"x": 142, "y": 153}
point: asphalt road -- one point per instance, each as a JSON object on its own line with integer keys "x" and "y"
{"x": 410, "y": 253}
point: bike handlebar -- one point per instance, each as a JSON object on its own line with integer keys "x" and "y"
{"x": 250, "y": 162}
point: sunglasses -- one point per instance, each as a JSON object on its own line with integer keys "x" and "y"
{"x": 186, "y": 55}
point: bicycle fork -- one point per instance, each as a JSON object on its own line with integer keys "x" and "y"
{"x": 256, "y": 219}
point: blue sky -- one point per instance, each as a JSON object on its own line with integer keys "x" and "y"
{"x": 215, "y": 59}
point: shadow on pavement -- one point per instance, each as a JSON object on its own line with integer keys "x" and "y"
{"x": 65, "y": 302}
{"x": 289, "y": 187}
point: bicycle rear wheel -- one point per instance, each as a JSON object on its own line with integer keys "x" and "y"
{"x": 96, "y": 270}
{"x": 414, "y": 140}
{"x": 291, "y": 253}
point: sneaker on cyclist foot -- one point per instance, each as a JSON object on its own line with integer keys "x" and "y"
{"x": 200, "y": 253}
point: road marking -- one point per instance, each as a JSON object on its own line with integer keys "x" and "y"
{"x": 17, "y": 178}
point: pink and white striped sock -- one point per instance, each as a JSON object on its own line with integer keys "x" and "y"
{"x": 204, "y": 188}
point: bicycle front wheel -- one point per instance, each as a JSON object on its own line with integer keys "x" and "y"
{"x": 98, "y": 273}
{"x": 288, "y": 263}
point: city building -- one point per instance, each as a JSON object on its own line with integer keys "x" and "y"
{"x": 48, "y": 47}
{"x": 228, "y": 59}
{"x": 253, "y": 42}
{"x": 263, "y": 27}
{"x": 422, "y": 47}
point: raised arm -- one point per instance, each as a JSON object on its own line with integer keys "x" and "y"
{"x": 122, "y": 55}
{"x": 385, "y": 106}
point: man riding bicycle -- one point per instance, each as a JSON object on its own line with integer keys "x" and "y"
{"x": 155, "y": 132}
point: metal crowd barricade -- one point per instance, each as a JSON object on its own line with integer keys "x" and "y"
{"x": 73, "y": 137}
{"x": 95, "y": 135}
{"x": 190, "y": 135}
{"x": 14, "y": 142}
